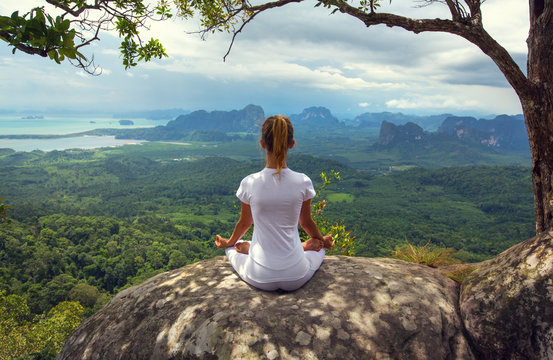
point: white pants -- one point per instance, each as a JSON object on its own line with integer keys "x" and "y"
{"x": 239, "y": 260}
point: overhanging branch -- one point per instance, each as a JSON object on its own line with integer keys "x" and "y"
{"x": 270, "y": 5}
{"x": 75, "y": 11}
{"x": 469, "y": 30}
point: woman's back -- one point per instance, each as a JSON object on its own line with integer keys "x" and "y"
{"x": 275, "y": 202}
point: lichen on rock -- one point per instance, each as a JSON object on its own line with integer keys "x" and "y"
{"x": 353, "y": 308}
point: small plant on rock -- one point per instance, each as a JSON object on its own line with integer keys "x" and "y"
{"x": 428, "y": 254}
{"x": 343, "y": 240}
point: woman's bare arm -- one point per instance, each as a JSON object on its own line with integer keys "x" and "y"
{"x": 310, "y": 227}
{"x": 307, "y": 223}
{"x": 243, "y": 224}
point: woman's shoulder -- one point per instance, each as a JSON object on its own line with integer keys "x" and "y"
{"x": 298, "y": 175}
{"x": 254, "y": 176}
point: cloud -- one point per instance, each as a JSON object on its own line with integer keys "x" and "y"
{"x": 430, "y": 102}
{"x": 289, "y": 59}
{"x": 258, "y": 70}
{"x": 104, "y": 71}
{"x": 459, "y": 98}
{"x": 330, "y": 69}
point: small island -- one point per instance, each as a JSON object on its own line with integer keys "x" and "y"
{"x": 33, "y": 117}
{"x": 126, "y": 122}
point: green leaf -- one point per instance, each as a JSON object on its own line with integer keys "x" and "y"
{"x": 65, "y": 25}
{"x": 80, "y": 55}
{"x": 70, "y": 53}
{"x": 39, "y": 15}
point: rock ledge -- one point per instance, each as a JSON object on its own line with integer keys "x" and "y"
{"x": 353, "y": 308}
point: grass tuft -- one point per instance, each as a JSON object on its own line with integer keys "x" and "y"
{"x": 429, "y": 255}
{"x": 460, "y": 273}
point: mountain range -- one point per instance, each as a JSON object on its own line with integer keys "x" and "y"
{"x": 503, "y": 132}
{"x": 374, "y": 120}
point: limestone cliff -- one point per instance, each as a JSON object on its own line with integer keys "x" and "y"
{"x": 353, "y": 308}
{"x": 391, "y": 134}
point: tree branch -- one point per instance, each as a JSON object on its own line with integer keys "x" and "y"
{"x": 75, "y": 13}
{"x": 270, "y": 5}
{"x": 471, "y": 31}
{"x": 255, "y": 10}
{"x": 235, "y": 34}
{"x": 22, "y": 47}
{"x": 454, "y": 10}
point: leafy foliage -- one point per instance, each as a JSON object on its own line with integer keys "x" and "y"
{"x": 3, "y": 209}
{"x": 60, "y": 36}
{"x": 41, "y": 32}
{"x": 41, "y": 337}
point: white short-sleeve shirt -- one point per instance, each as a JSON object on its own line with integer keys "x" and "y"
{"x": 275, "y": 203}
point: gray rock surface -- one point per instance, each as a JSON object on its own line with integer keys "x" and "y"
{"x": 507, "y": 303}
{"x": 353, "y": 308}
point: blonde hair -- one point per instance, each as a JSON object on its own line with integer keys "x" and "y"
{"x": 278, "y": 133}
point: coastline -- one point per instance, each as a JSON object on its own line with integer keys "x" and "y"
{"x": 27, "y": 143}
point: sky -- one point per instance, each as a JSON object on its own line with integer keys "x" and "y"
{"x": 285, "y": 60}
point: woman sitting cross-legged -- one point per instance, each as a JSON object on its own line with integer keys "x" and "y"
{"x": 274, "y": 200}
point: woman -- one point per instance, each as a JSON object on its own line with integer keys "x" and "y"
{"x": 275, "y": 200}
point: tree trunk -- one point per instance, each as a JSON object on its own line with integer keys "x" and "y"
{"x": 539, "y": 122}
{"x": 538, "y": 109}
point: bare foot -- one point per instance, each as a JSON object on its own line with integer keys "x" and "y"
{"x": 312, "y": 245}
{"x": 328, "y": 242}
{"x": 242, "y": 247}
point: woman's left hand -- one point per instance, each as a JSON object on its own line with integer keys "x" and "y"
{"x": 221, "y": 243}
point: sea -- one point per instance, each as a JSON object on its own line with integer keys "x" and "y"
{"x": 63, "y": 125}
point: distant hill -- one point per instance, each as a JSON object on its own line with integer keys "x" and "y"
{"x": 316, "y": 118}
{"x": 503, "y": 132}
{"x": 374, "y": 120}
{"x": 246, "y": 120}
{"x": 460, "y": 140}
{"x": 508, "y": 132}
{"x": 391, "y": 134}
